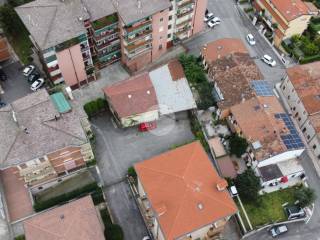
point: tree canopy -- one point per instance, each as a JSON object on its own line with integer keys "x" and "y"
{"x": 248, "y": 185}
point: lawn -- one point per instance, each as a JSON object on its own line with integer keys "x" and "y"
{"x": 270, "y": 207}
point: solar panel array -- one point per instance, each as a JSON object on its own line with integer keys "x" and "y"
{"x": 262, "y": 88}
{"x": 291, "y": 140}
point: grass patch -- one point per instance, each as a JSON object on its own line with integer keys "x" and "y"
{"x": 269, "y": 209}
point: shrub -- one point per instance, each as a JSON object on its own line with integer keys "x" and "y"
{"x": 94, "y": 107}
{"x": 310, "y": 49}
{"x": 310, "y": 59}
{"x": 112, "y": 231}
{"x": 248, "y": 185}
{"x": 238, "y": 145}
{"x": 305, "y": 196}
{"x": 63, "y": 198}
{"x": 132, "y": 172}
{"x": 97, "y": 197}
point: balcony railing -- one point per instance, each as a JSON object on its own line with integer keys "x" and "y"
{"x": 183, "y": 4}
{"x": 136, "y": 28}
{"x": 185, "y": 13}
{"x": 138, "y": 36}
{"x": 138, "y": 51}
{"x": 137, "y": 46}
{"x": 106, "y": 44}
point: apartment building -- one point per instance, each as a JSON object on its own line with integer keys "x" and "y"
{"x": 75, "y": 37}
{"x": 44, "y": 137}
{"x": 302, "y": 92}
{"x": 284, "y": 18}
{"x": 181, "y": 195}
{"x": 274, "y": 143}
{"x": 232, "y": 72}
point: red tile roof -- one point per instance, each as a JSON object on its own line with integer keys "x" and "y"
{"x": 77, "y": 220}
{"x": 290, "y": 9}
{"x": 132, "y": 96}
{"x": 181, "y": 186}
{"x": 176, "y": 70}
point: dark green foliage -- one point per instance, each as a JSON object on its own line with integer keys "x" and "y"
{"x": 94, "y": 107}
{"x": 305, "y": 196}
{"x": 248, "y": 185}
{"x": 238, "y": 145}
{"x": 63, "y": 198}
{"x": 97, "y": 197}
{"x": 310, "y": 59}
{"x": 197, "y": 132}
{"x": 132, "y": 172}
{"x": 112, "y": 231}
{"x": 197, "y": 78}
{"x": 20, "y": 237}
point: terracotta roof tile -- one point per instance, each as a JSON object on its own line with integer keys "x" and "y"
{"x": 77, "y": 220}
{"x": 176, "y": 70}
{"x": 132, "y": 96}
{"x": 290, "y": 9}
{"x": 177, "y": 183}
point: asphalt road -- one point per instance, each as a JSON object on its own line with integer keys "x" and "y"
{"x": 234, "y": 24}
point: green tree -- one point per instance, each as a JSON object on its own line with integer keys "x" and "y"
{"x": 248, "y": 185}
{"x": 238, "y": 145}
{"x": 310, "y": 49}
{"x": 305, "y": 196}
{"x": 9, "y": 20}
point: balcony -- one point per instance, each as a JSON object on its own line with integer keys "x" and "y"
{"x": 183, "y": 30}
{"x": 137, "y": 46}
{"x": 183, "y": 4}
{"x": 105, "y": 22}
{"x": 183, "y": 23}
{"x": 138, "y": 51}
{"x": 138, "y": 36}
{"x": 185, "y": 13}
{"x": 107, "y": 44}
{"x": 136, "y": 28}
{"x": 105, "y": 34}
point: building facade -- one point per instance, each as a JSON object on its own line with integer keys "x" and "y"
{"x": 74, "y": 38}
{"x": 283, "y": 18}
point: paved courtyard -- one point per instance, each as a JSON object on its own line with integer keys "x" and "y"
{"x": 118, "y": 149}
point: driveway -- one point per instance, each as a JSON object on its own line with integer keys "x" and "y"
{"x": 118, "y": 149}
{"x": 16, "y": 86}
{"x": 234, "y": 24}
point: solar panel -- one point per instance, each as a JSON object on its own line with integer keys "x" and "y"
{"x": 291, "y": 140}
{"x": 262, "y": 88}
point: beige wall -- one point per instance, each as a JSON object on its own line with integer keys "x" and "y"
{"x": 140, "y": 118}
{"x": 297, "y": 26}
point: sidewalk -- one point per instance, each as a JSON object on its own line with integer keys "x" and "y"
{"x": 288, "y": 110}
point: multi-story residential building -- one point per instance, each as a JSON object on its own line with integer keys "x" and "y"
{"x": 274, "y": 143}
{"x": 301, "y": 89}
{"x": 73, "y": 36}
{"x": 231, "y": 71}
{"x": 284, "y": 18}
{"x": 75, "y": 220}
{"x": 44, "y": 139}
{"x": 181, "y": 196}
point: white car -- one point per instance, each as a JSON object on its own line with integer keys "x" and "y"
{"x": 215, "y": 21}
{"x": 251, "y": 39}
{"x": 208, "y": 17}
{"x": 278, "y": 230}
{"x": 37, "y": 84}
{"x": 146, "y": 238}
{"x": 268, "y": 60}
{"x": 28, "y": 70}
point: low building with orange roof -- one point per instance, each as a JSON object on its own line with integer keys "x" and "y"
{"x": 301, "y": 89}
{"x": 182, "y": 196}
{"x": 273, "y": 140}
{"x": 231, "y": 69}
{"x": 77, "y": 220}
{"x": 290, "y": 16}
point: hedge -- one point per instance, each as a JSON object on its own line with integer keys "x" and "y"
{"x": 63, "y": 198}
{"x": 111, "y": 231}
{"x": 97, "y": 197}
{"x": 94, "y": 107}
{"x": 309, "y": 59}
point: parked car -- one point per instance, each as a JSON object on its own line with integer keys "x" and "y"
{"x": 250, "y": 39}
{"x": 33, "y": 76}
{"x": 268, "y": 60}
{"x": 294, "y": 212}
{"x": 278, "y": 230}
{"x": 37, "y": 84}
{"x": 215, "y": 21}
{"x": 2, "y": 104}
{"x": 208, "y": 17}
{"x": 28, "y": 70}
{"x": 146, "y": 238}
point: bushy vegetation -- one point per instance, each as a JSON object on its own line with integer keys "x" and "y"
{"x": 197, "y": 79}
{"x": 248, "y": 185}
{"x": 197, "y": 132}
{"x": 20, "y": 237}
{"x": 238, "y": 145}
{"x": 63, "y": 198}
{"x": 94, "y": 107}
{"x": 112, "y": 231}
{"x": 132, "y": 172}
{"x": 305, "y": 196}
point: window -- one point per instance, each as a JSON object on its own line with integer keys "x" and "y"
{"x": 292, "y": 90}
{"x": 284, "y": 87}
{"x": 296, "y": 115}
{"x": 298, "y": 101}
{"x": 308, "y": 137}
{"x": 169, "y": 26}
{"x": 170, "y": 18}
{"x": 318, "y": 156}
{"x": 160, "y": 46}
{"x": 304, "y": 112}
{"x": 299, "y": 119}
{"x": 288, "y": 97}
{"x": 294, "y": 108}
{"x": 170, "y": 8}
{"x": 169, "y": 35}
{"x": 161, "y": 19}
{"x": 160, "y": 37}
{"x": 304, "y": 129}
{"x": 314, "y": 146}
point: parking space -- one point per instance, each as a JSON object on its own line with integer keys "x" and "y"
{"x": 16, "y": 86}
{"x": 118, "y": 149}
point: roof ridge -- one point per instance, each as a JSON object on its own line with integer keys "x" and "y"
{"x": 41, "y": 229}
{"x": 13, "y": 143}
{"x": 50, "y": 25}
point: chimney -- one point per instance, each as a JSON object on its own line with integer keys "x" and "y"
{"x": 222, "y": 185}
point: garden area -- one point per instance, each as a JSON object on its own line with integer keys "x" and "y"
{"x": 15, "y": 30}
{"x": 305, "y": 48}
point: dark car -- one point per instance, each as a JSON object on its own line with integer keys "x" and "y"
{"x": 294, "y": 212}
{"x": 2, "y": 104}
{"x": 3, "y": 75}
{"x": 278, "y": 230}
{"x": 33, "y": 77}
